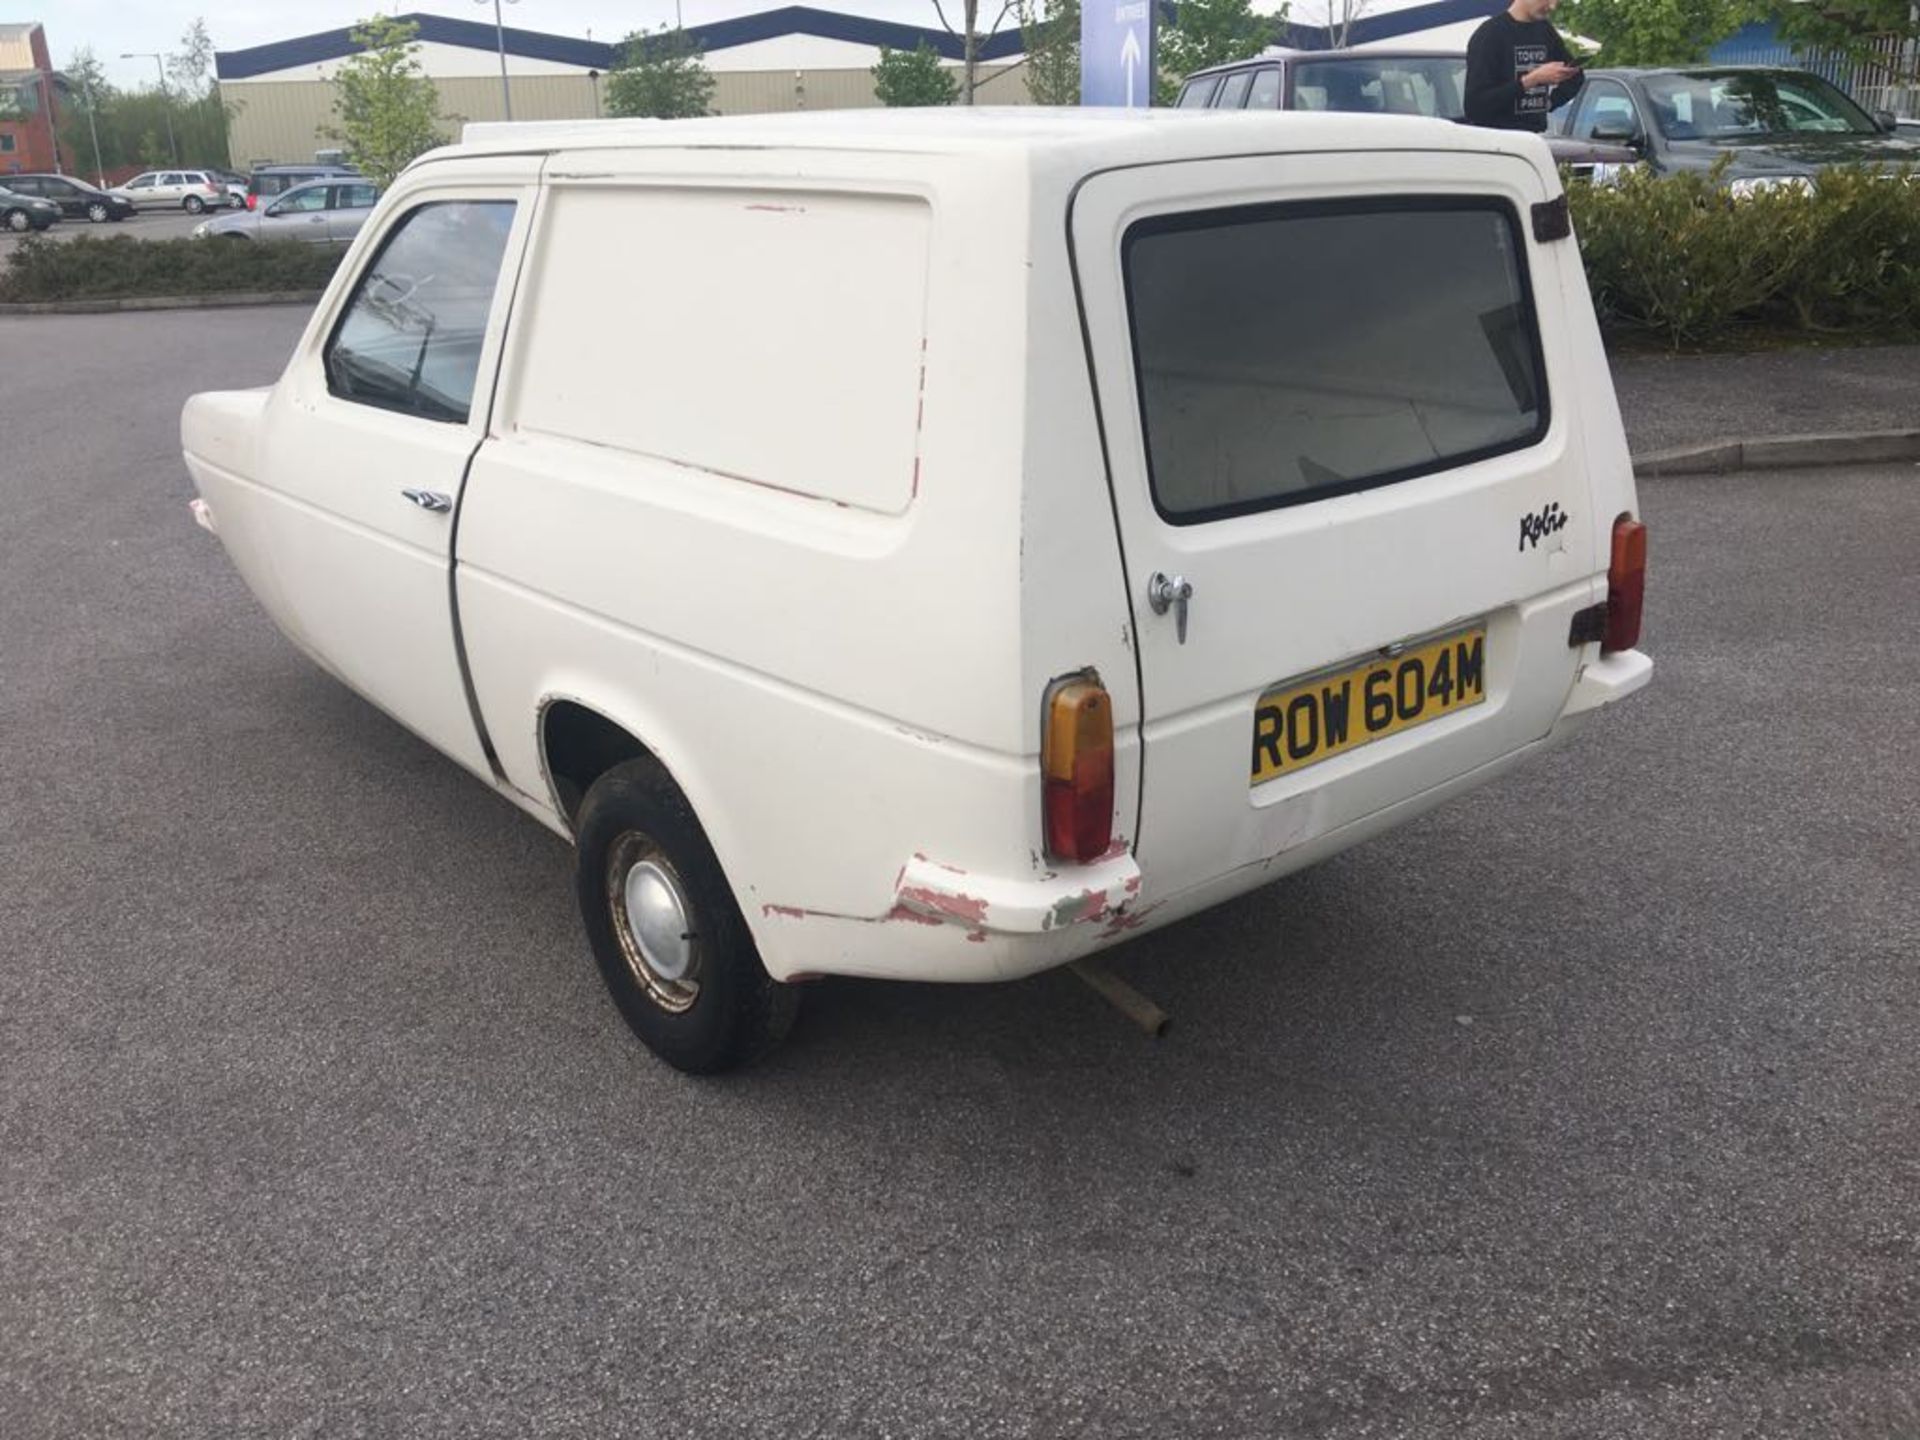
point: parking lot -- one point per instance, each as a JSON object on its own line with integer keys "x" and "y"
{"x": 1583, "y": 1107}
{"x": 146, "y": 225}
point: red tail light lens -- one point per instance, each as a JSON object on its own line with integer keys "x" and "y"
{"x": 252, "y": 200}
{"x": 1076, "y": 766}
{"x": 1626, "y": 585}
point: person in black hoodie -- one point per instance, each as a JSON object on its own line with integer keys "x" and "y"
{"x": 1518, "y": 69}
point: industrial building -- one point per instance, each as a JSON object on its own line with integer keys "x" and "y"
{"x": 29, "y": 101}
{"x": 794, "y": 57}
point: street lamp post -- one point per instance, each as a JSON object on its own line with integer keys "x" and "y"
{"x": 46, "y": 106}
{"x": 500, "y": 40}
{"x": 166, "y": 100}
{"x": 99, "y": 170}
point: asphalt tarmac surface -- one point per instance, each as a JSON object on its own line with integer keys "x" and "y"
{"x": 1587, "y": 1106}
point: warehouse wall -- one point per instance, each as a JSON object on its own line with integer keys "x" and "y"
{"x": 285, "y": 120}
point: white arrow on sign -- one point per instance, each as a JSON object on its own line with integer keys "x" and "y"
{"x": 1130, "y": 58}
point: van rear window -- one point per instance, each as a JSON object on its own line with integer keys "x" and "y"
{"x": 1285, "y": 353}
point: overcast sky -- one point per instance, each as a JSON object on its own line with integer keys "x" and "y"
{"x": 111, "y": 27}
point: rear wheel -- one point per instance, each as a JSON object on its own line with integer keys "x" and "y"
{"x": 195, "y": 204}
{"x": 18, "y": 221}
{"x": 671, "y": 944}
{"x": 98, "y": 213}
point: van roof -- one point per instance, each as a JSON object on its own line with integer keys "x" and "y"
{"x": 1101, "y": 135}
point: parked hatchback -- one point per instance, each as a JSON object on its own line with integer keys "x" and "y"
{"x": 329, "y": 213}
{"x": 1369, "y": 82}
{"x": 21, "y": 213}
{"x": 1771, "y": 126}
{"x": 191, "y": 190}
{"x": 1305, "y": 505}
{"x": 76, "y": 199}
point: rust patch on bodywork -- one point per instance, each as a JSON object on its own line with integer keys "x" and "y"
{"x": 1073, "y": 909}
{"x": 961, "y": 909}
{"x": 1125, "y": 920}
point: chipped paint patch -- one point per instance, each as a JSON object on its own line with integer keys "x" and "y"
{"x": 962, "y": 909}
{"x": 901, "y": 912}
{"x": 790, "y": 912}
{"x": 1075, "y": 909}
{"x": 780, "y": 209}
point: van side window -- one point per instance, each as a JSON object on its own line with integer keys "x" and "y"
{"x": 410, "y": 337}
{"x": 1289, "y": 352}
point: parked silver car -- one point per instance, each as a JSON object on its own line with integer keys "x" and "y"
{"x": 189, "y": 190}
{"x": 327, "y": 212}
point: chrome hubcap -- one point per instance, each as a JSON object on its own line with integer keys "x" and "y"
{"x": 653, "y": 922}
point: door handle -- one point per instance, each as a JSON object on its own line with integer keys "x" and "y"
{"x": 1170, "y": 592}
{"x": 430, "y": 500}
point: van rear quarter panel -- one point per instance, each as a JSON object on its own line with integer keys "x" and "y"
{"x": 839, "y": 684}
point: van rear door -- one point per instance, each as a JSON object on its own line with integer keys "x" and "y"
{"x": 1341, "y": 439}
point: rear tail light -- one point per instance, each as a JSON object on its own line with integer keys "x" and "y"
{"x": 252, "y": 199}
{"x": 1076, "y": 766}
{"x": 1626, "y": 585}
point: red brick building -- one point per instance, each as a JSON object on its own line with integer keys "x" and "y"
{"x": 29, "y": 101}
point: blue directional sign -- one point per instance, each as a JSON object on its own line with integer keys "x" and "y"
{"x": 1116, "y": 52}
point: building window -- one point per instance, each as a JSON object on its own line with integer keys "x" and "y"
{"x": 6, "y": 144}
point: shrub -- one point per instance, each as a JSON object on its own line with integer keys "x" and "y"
{"x": 1681, "y": 257}
{"x": 123, "y": 267}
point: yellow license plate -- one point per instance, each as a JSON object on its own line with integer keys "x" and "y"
{"x": 1307, "y": 721}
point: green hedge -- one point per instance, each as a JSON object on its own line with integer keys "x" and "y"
{"x": 1681, "y": 259}
{"x": 110, "y": 269}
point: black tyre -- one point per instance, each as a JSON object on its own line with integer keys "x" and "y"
{"x": 18, "y": 221}
{"x": 672, "y": 946}
{"x": 98, "y": 213}
{"x": 195, "y": 204}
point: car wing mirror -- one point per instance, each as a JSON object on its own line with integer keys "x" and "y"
{"x": 1886, "y": 120}
{"x": 1615, "y": 132}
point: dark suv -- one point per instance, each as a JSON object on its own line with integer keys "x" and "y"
{"x": 1384, "y": 82}
{"x": 74, "y": 197}
{"x": 1772, "y": 126}
{"x": 268, "y": 181}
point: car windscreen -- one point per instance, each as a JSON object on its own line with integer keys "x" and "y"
{"x": 1743, "y": 105}
{"x": 1430, "y": 85}
{"x": 1289, "y": 352}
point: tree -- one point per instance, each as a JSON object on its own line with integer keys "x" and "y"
{"x": 661, "y": 77}
{"x": 1050, "y": 35}
{"x": 389, "y": 110}
{"x": 1654, "y": 32}
{"x": 1340, "y": 17}
{"x": 87, "y": 93}
{"x": 133, "y": 125}
{"x": 1209, "y": 32}
{"x": 191, "y": 66}
{"x": 913, "y": 77}
{"x": 971, "y": 37}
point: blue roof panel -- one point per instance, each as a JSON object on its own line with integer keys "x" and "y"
{"x": 593, "y": 55}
